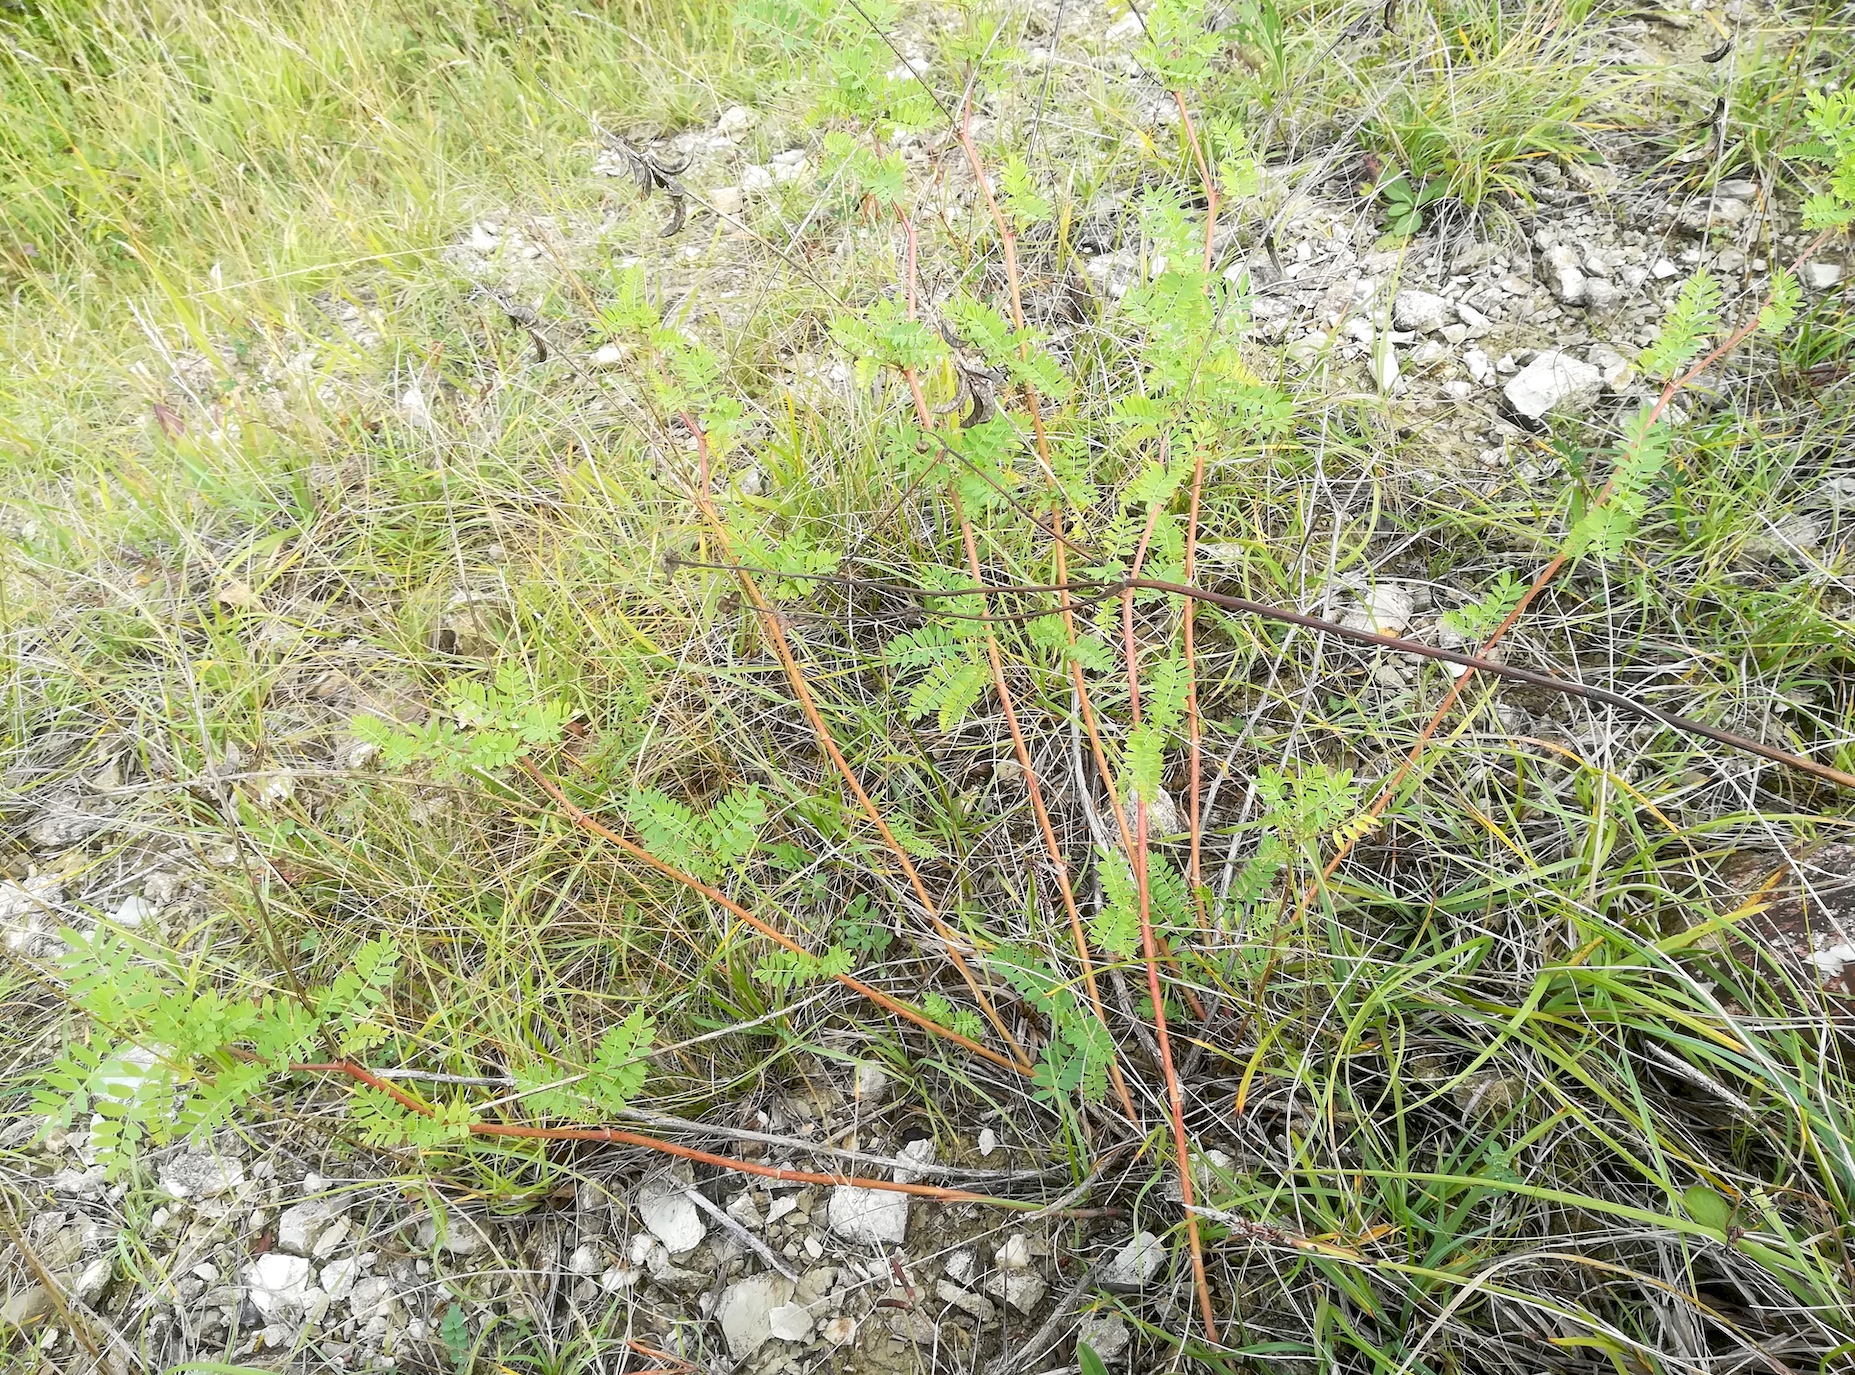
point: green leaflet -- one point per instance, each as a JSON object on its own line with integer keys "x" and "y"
{"x": 1604, "y": 530}
{"x": 706, "y": 845}
{"x": 1694, "y": 315}
{"x": 612, "y": 1079}
{"x": 171, "y": 1056}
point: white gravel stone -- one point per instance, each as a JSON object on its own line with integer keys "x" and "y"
{"x": 27, "y": 914}
{"x": 339, "y": 1276}
{"x": 756, "y": 180}
{"x": 977, "y": 1305}
{"x": 745, "y": 1210}
{"x": 133, "y": 911}
{"x": 1420, "y": 310}
{"x": 869, "y": 1217}
{"x": 871, "y": 1083}
{"x": 1106, "y": 1335}
{"x": 1613, "y": 367}
{"x": 790, "y": 1322}
{"x": 93, "y": 1281}
{"x": 1477, "y": 323}
{"x": 280, "y": 1285}
{"x": 665, "y": 1209}
{"x": 745, "y": 1311}
{"x": 1022, "y": 1289}
{"x": 1819, "y": 276}
{"x": 192, "y": 1176}
{"x": 332, "y": 1242}
{"x": 457, "y": 1234}
{"x": 1135, "y": 1264}
{"x": 918, "y": 1152}
{"x": 26, "y": 1306}
{"x": 1554, "y": 381}
{"x": 371, "y": 1298}
{"x": 299, "y": 1228}
{"x": 791, "y": 165}
{"x": 735, "y": 121}
{"x": 1565, "y": 273}
{"x": 1384, "y": 608}
{"x": 1126, "y": 29}
{"x": 32, "y": 895}
{"x": 414, "y": 407}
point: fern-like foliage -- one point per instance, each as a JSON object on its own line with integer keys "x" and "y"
{"x": 706, "y": 845}
{"x": 610, "y": 1081}
{"x": 482, "y": 727}
{"x": 1306, "y": 805}
{"x": 1020, "y": 352}
{"x": 1694, "y": 315}
{"x": 1606, "y": 528}
{"x": 1479, "y": 618}
{"x": 882, "y": 336}
{"x": 1180, "y": 47}
{"x": 1831, "y": 119}
{"x": 1162, "y": 701}
{"x": 1075, "y": 1059}
{"x": 1786, "y": 299}
{"x": 1019, "y": 190}
{"x": 962, "y": 1020}
{"x": 787, "y": 969}
{"x": 1116, "y": 926}
{"x": 949, "y": 659}
{"x": 1257, "y": 877}
{"x": 168, "y": 1055}
{"x": 788, "y": 567}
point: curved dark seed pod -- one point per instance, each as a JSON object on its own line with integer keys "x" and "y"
{"x": 678, "y": 210}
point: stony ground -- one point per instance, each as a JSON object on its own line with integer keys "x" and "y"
{"x": 280, "y": 1244}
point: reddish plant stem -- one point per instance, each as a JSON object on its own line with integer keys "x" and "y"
{"x": 795, "y": 676}
{"x": 619, "y": 1136}
{"x": 1194, "y": 726}
{"x": 1007, "y": 239}
{"x": 1149, "y": 950}
{"x": 580, "y": 818}
{"x": 1213, "y": 198}
{"x": 1545, "y": 575}
{"x": 1135, "y": 844}
{"x": 1044, "y": 826}
{"x": 1051, "y": 847}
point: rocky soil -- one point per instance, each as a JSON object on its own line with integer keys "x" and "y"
{"x": 276, "y": 1243}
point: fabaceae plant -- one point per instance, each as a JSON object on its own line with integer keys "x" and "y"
{"x": 999, "y": 560}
